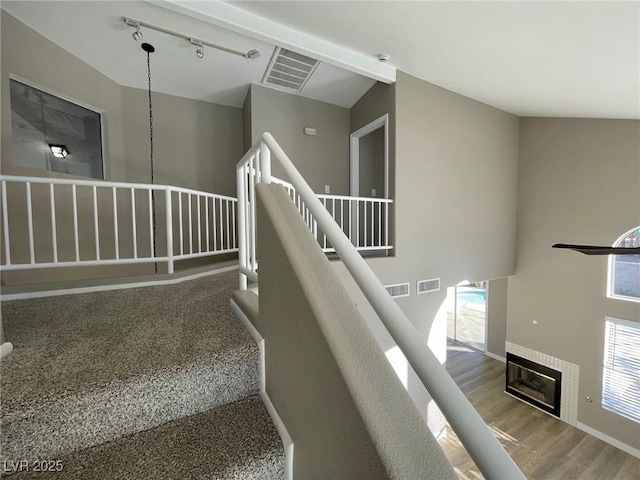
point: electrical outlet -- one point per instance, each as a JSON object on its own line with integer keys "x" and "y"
{"x": 327, "y": 189}
{"x": 373, "y": 192}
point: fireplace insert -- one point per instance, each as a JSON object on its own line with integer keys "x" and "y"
{"x": 536, "y": 384}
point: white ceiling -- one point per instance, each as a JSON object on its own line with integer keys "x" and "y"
{"x": 541, "y": 58}
{"x": 95, "y": 33}
{"x": 536, "y": 58}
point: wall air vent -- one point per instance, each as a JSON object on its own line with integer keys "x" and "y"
{"x": 425, "y": 286}
{"x": 398, "y": 290}
{"x": 289, "y": 70}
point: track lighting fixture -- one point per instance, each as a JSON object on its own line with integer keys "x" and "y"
{"x": 137, "y": 35}
{"x": 200, "y": 44}
{"x": 199, "y": 47}
{"x": 252, "y": 54}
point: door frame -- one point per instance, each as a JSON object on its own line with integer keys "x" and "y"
{"x": 354, "y": 142}
{"x": 455, "y": 317}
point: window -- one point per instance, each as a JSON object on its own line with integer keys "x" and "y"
{"x": 42, "y": 122}
{"x": 621, "y": 372}
{"x": 624, "y": 270}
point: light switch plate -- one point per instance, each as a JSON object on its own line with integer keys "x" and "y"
{"x": 327, "y": 189}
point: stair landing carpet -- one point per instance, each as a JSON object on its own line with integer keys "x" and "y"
{"x": 96, "y": 369}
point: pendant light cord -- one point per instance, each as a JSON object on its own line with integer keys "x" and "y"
{"x": 153, "y": 195}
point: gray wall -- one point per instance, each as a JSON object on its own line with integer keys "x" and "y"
{"x": 246, "y": 122}
{"x": 325, "y": 375}
{"x": 322, "y": 159}
{"x": 455, "y": 165}
{"x": 496, "y": 316}
{"x": 196, "y": 144}
{"x": 453, "y": 177}
{"x": 578, "y": 183}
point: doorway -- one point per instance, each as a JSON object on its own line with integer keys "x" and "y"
{"x": 369, "y": 179}
{"x": 467, "y": 315}
{"x": 370, "y": 159}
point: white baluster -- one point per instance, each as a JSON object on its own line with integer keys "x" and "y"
{"x": 5, "y": 224}
{"x": 115, "y": 223}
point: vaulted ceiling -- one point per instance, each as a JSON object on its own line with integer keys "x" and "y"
{"x": 538, "y": 58}
{"x": 96, "y": 33}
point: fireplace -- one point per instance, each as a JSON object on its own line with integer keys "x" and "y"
{"x": 536, "y": 384}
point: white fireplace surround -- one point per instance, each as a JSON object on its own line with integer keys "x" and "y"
{"x": 570, "y": 375}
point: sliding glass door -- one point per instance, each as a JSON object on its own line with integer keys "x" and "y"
{"x": 467, "y": 314}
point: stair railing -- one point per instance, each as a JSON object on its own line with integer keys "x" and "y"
{"x": 255, "y": 167}
{"x": 52, "y": 222}
{"x": 365, "y": 220}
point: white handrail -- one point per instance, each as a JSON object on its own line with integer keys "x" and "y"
{"x": 105, "y": 183}
{"x": 490, "y": 457}
{"x": 220, "y": 219}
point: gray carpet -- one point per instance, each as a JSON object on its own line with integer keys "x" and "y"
{"x": 236, "y": 441}
{"x": 89, "y": 369}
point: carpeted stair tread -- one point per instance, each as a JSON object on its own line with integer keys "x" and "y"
{"x": 69, "y": 343}
{"x": 90, "y": 368}
{"x": 234, "y": 441}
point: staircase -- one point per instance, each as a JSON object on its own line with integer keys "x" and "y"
{"x": 153, "y": 382}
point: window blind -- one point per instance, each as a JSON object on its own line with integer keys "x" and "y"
{"x": 621, "y": 372}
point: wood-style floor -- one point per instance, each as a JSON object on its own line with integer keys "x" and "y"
{"x": 544, "y": 447}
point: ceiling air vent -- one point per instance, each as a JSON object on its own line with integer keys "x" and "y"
{"x": 431, "y": 285}
{"x": 398, "y": 290}
{"x": 289, "y": 70}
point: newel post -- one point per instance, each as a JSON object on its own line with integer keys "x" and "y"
{"x": 265, "y": 163}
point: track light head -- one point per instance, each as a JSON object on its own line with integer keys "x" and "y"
{"x": 137, "y": 35}
{"x": 251, "y": 54}
{"x": 199, "y": 47}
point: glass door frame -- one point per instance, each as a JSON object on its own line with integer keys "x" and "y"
{"x": 455, "y": 316}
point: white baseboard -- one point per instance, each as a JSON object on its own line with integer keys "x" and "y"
{"x": 610, "y": 440}
{"x": 284, "y": 435}
{"x": 273, "y": 413}
{"x": 119, "y": 286}
{"x": 5, "y": 349}
{"x": 256, "y": 337}
{"x": 495, "y": 357}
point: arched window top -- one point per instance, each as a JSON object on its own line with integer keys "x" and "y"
{"x": 624, "y": 270}
{"x": 629, "y": 239}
